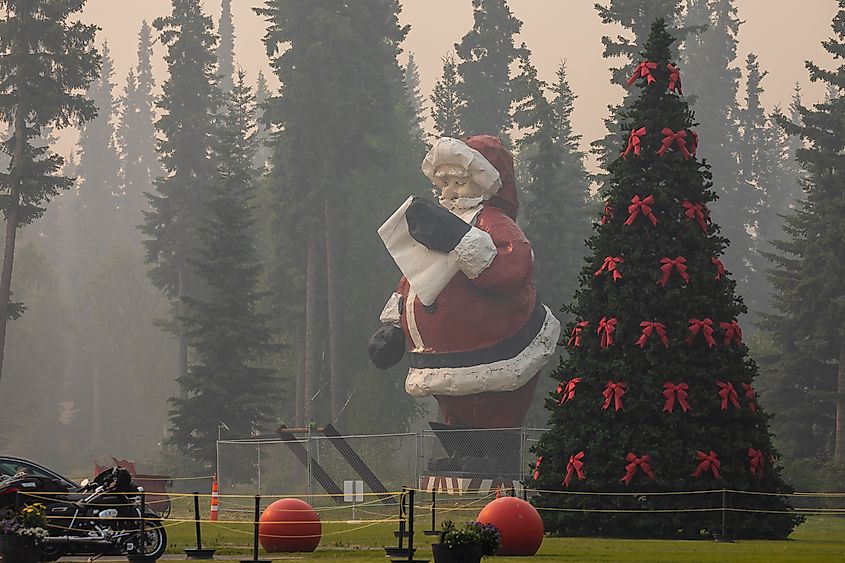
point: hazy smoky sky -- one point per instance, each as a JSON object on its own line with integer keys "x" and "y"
{"x": 783, "y": 33}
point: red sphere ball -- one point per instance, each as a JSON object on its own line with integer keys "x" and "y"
{"x": 519, "y": 524}
{"x": 289, "y": 525}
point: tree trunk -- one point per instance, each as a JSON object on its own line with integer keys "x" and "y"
{"x": 12, "y": 222}
{"x": 335, "y": 377}
{"x": 96, "y": 397}
{"x": 310, "y": 326}
{"x": 182, "y": 338}
{"x": 299, "y": 415}
{"x": 839, "y": 436}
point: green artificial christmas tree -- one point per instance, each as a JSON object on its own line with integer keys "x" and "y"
{"x": 657, "y": 394}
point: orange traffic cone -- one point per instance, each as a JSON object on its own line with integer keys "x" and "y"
{"x": 214, "y": 499}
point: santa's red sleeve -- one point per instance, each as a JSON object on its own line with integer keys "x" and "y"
{"x": 512, "y": 267}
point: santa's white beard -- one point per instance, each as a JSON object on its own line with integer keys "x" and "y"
{"x": 460, "y": 204}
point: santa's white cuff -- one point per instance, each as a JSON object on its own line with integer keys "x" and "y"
{"x": 475, "y": 252}
{"x": 390, "y": 314}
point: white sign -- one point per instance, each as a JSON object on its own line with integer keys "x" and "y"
{"x": 353, "y": 491}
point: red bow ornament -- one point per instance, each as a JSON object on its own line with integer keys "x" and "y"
{"x": 669, "y": 391}
{"x": 567, "y": 390}
{"x": 727, "y": 393}
{"x": 613, "y": 391}
{"x": 749, "y": 397}
{"x": 705, "y": 327}
{"x": 634, "y": 142}
{"x": 643, "y": 70}
{"x": 756, "y": 461}
{"x": 575, "y": 465}
{"x": 635, "y": 462}
{"x": 575, "y": 335}
{"x": 668, "y": 264}
{"x": 537, "y": 467}
{"x": 674, "y": 79}
{"x": 650, "y": 327}
{"x": 677, "y": 138}
{"x": 707, "y": 462}
{"x": 696, "y": 211}
{"x": 643, "y": 205}
{"x": 607, "y": 213}
{"x": 606, "y": 329}
{"x": 611, "y": 264}
{"x": 732, "y": 333}
{"x": 720, "y": 268}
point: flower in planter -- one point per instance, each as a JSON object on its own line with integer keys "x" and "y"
{"x": 485, "y": 535}
{"x": 31, "y": 521}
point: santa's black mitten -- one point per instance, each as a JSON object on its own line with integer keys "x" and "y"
{"x": 387, "y": 346}
{"x": 435, "y": 227}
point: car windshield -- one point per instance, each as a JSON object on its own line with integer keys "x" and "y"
{"x": 11, "y": 467}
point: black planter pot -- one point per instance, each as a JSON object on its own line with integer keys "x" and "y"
{"x": 18, "y": 549}
{"x": 467, "y": 553}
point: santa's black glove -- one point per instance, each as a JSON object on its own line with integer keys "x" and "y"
{"x": 387, "y": 346}
{"x": 435, "y": 227}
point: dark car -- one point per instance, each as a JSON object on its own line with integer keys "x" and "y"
{"x": 11, "y": 465}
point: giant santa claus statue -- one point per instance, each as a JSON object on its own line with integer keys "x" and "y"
{"x": 466, "y": 310}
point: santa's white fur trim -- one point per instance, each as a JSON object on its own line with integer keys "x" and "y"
{"x": 390, "y": 314}
{"x": 504, "y": 375}
{"x": 475, "y": 252}
{"x": 447, "y": 150}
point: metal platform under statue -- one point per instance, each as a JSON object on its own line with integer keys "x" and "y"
{"x": 478, "y": 460}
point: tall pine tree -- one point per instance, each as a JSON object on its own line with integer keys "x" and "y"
{"x": 189, "y": 101}
{"x": 414, "y": 102}
{"x": 262, "y": 133}
{"x": 226, "y": 48}
{"x": 486, "y": 54}
{"x": 446, "y": 104}
{"x": 230, "y": 336}
{"x": 656, "y": 395}
{"x": 47, "y": 62}
{"x": 809, "y": 263}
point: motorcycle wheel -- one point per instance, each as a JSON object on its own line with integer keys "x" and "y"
{"x": 155, "y": 540}
{"x": 50, "y": 553}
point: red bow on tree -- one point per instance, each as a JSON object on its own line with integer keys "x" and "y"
{"x": 757, "y": 461}
{"x": 606, "y": 329}
{"x": 643, "y": 70}
{"x": 693, "y": 145}
{"x": 567, "y": 390}
{"x": 633, "y": 463}
{"x": 669, "y": 390}
{"x": 704, "y": 326}
{"x": 574, "y": 465}
{"x": 634, "y": 142}
{"x": 720, "y": 268}
{"x": 727, "y": 392}
{"x": 677, "y": 138}
{"x": 575, "y": 335}
{"x": 695, "y": 211}
{"x": 607, "y": 213}
{"x": 732, "y": 333}
{"x": 611, "y": 264}
{"x": 648, "y": 328}
{"x": 537, "y": 467}
{"x": 674, "y": 79}
{"x": 613, "y": 391}
{"x": 643, "y": 205}
{"x": 707, "y": 462}
{"x": 668, "y": 264}
{"x": 749, "y": 397}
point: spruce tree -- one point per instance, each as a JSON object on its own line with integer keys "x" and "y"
{"x": 809, "y": 297}
{"x": 230, "y": 337}
{"x": 414, "y": 102}
{"x": 136, "y": 134}
{"x": 446, "y": 103}
{"x": 486, "y": 54}
{"x": 657, "y": 393}
{"x": 262, "y": 133}
{"x": 189, "y": 101}
{"x": 47, "y": 62}
{"x": 99, "y": 200}
{"x": 226, "y": 48}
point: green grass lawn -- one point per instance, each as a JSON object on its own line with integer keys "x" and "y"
{"x": 819, "y": 539}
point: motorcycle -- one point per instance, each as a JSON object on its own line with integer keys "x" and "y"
{"x": 102, "y": 517}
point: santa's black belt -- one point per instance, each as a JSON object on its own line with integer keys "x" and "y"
{"x": 504, "y": 350}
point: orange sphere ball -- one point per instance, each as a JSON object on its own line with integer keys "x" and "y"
{"x": 519, "y": 524}
{"x": 289, "y": 525}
